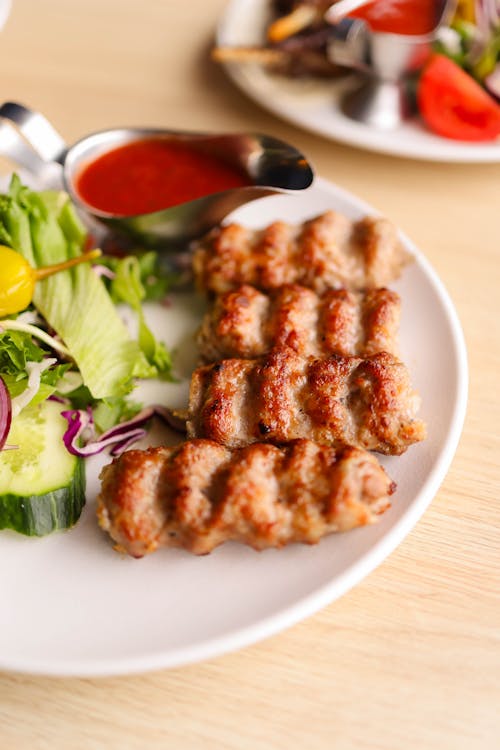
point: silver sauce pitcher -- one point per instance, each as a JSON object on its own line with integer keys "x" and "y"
{"x": 384, "y": 62}
{"x": 271, "y": 165}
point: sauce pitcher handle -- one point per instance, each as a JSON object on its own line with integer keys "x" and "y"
{"x": 36, "y": 129}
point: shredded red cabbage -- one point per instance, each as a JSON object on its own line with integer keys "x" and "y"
{"x": 5, "y": 413}
{"x": 487, "y": 15}
{"x": 58, "y": 399}
{"x": 101, "y": 270}
{"x": 492, "y": 82}
{"x": 80, "y": 438}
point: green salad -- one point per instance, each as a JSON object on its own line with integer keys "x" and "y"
{"x": 68, "y": 362}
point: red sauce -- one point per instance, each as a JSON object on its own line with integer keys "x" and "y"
{"x": 409, "y": 17}
{"x": 152, "y": 174}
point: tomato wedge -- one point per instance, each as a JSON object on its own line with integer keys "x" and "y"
{"x": 453, "y": 105}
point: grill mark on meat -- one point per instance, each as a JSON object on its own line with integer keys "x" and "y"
{"x": 224, "y": 397}
{"x": 340, "y": 323}
{"x": 379, "y": 323}
{"x": 294, "y": 319}
{"x": 340, "y": 400}
{"x": 202, "y": 494}
{"x": 185, "y": 471}
{"x": 273, "y": 398}
{"x": 327, "y": 400}
{"x": 272, "y": 254}
{"x": 253, "y": 487}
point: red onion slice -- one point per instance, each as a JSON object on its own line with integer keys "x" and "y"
{"x": 487, "y": 14}
{"x": 5, "y": 413}
{"x": 492, "y": 82}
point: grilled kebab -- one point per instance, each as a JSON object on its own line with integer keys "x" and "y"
{"x": 199, "y": 494}
{"x": 283, "y": 396}
{"x": 328, "y": 252}
{"x": 297, "y": 43}
{"x": 245, "y": 323}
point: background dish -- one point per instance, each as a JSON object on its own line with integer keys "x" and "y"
{"x": 5, "y": 8}
{"x": 97, "y": 613}
{"x": 313, "y": 104}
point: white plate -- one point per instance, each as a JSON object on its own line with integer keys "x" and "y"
{"x": 5, "y": 8}
{"x": 313, "y": 104}
{"x": 73, "y": 606}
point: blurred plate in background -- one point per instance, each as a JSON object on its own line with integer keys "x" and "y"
{"x": 313, "y": 104}
{"x": 5, "y": 6}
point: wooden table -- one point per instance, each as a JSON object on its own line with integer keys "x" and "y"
{"x": 410, "y": 657}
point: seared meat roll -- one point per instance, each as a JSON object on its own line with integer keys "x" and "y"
{"x": 330, "y": 251}
{"x": 336, "y": 401}
{"x": 246, "y": 323}
{"x": 200, "y": 494}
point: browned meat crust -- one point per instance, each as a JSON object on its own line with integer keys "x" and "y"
{"x": 200, "y": 494}
{"x": 282, "y": 7}
{"x": 297, "y": 42}
{"x": 330, "y": 251}
{"x": 340, "y": 400}
{"x": 246, "y": 323}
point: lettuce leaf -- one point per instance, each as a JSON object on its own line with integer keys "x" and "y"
{"x": 45, "y": 229}
{"x": 17, "y": 349}
{"x": 127, "y": 287}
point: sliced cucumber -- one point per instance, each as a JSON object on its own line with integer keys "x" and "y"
{"x": 42, "y": 486}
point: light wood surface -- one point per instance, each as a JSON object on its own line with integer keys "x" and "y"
{"x": 410, "y": 657}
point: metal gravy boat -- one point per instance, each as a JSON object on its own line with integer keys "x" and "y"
{"x": 271, "y": 165}
{"x": 385, "y": 62}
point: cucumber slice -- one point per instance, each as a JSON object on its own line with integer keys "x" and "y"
{"x": 42, "y": 486}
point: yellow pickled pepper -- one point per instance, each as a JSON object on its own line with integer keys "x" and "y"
{"x": 18, "y": 278}
{"x": 465, "y": 11}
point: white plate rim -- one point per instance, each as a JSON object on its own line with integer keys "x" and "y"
{"x": 5, "y": 9}
{"x": 335, "y": 126}
{"x": 323, "y": 595}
